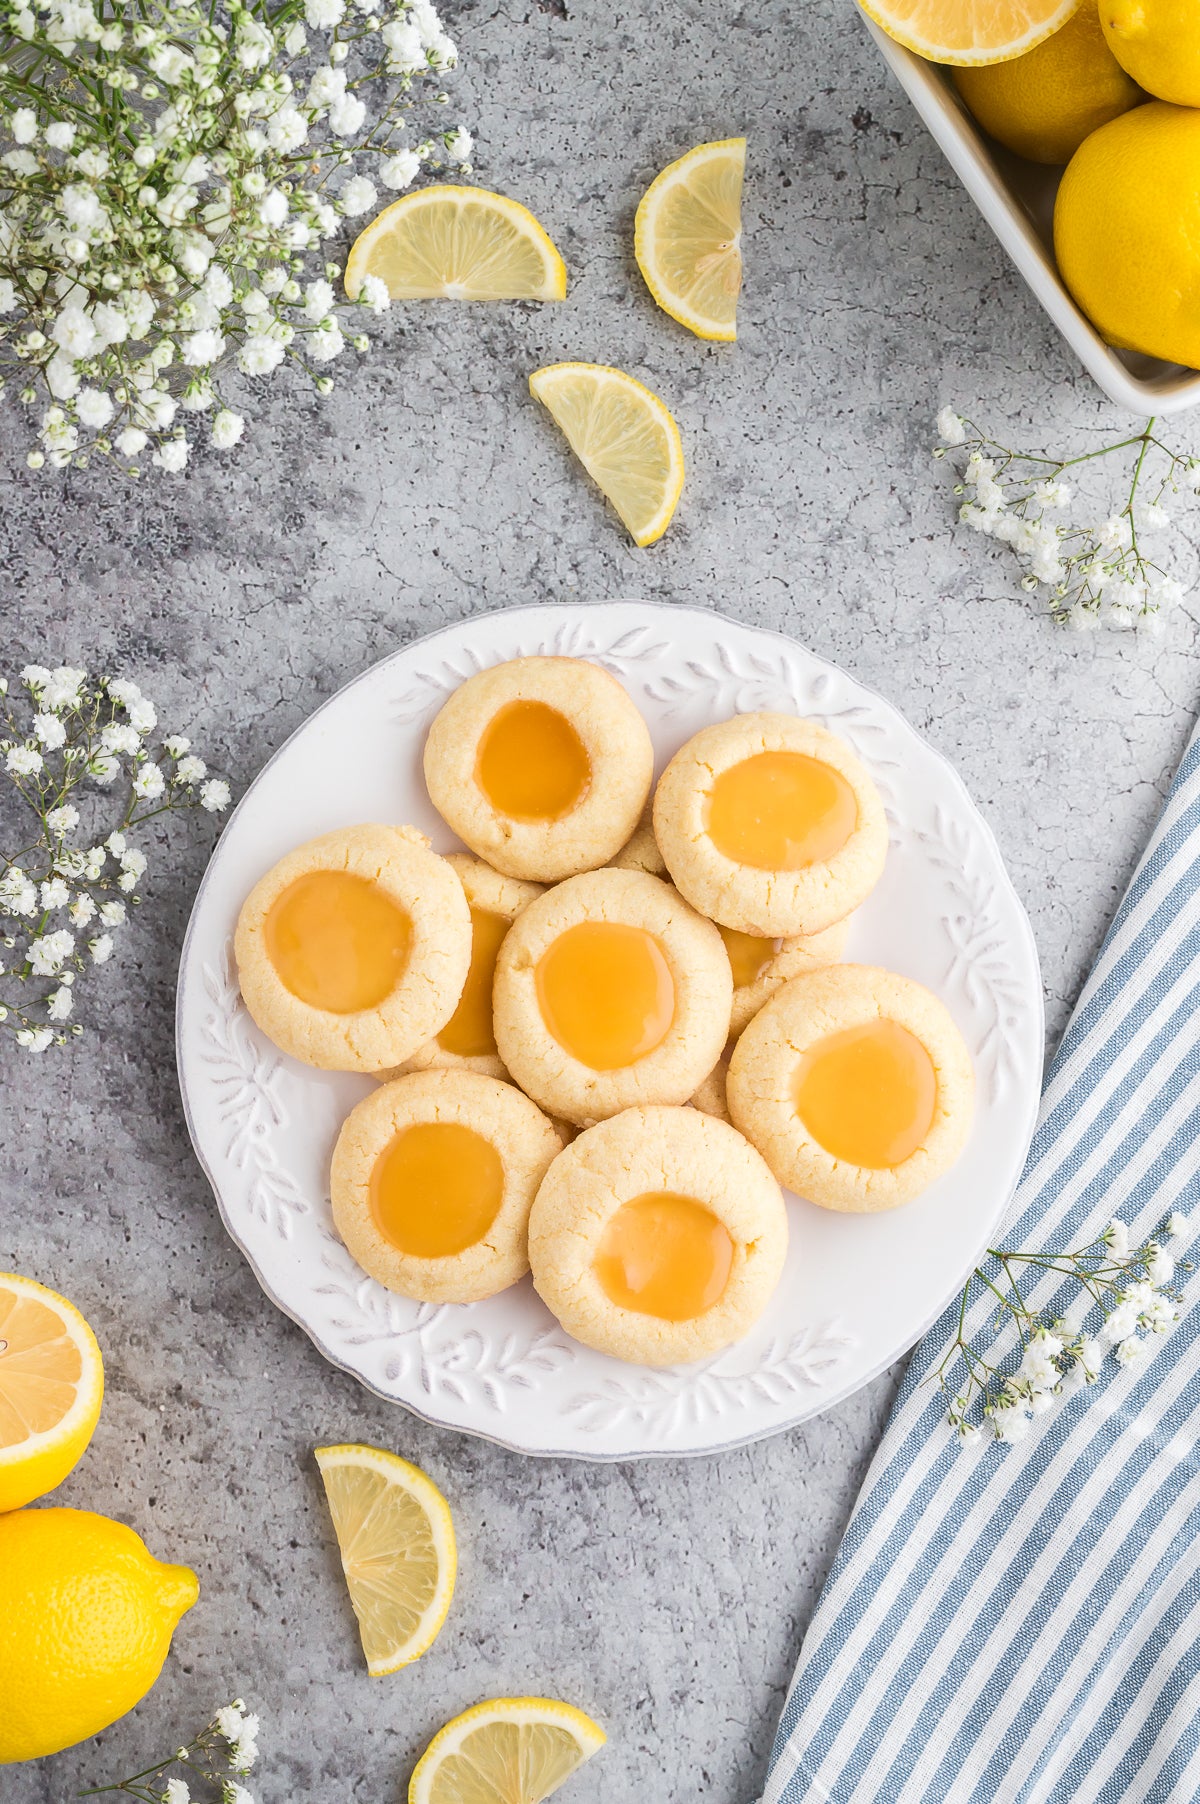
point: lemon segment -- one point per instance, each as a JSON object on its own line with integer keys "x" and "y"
{"x": 51, "y": 1389}
{"x": 969, "y": 32}
{"x": 688, "y": 238}
{"x": 86, "y": 1619}
{"x": 623, "y": 436}
{"x": 458, "y": 244}
{"x": 396, "y": 1537}
{"x": 505, "y": 1751}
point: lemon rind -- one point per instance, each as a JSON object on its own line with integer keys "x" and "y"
{"x": 556, "y": 269}
{"x": 589, "y": 1736}
{"x": 877, "y": 11}
{"x": 670, "y": 304}
{"x": 419, "y": 1485}
{"x": 89, "y": 1394}
{"x": 659, "y": 522}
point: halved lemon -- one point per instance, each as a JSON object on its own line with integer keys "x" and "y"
{"x": 687, "y": 238}
{"x": 396, "y": 1537}
{"x": 458, "y": 244}
{"x": 51, "y": 1389}
{"x": 506, "y": 1751}
{"x": 969, "y": 31}
{"x": 623, "y": 436}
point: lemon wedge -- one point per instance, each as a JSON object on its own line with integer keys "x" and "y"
{"x": 51, "y": 1389}
{"x": 623, "y": 436}
{"x": 506, "y": 1751}
{"x": 969, "y": 32}
{"x": 458, "y": 244}
{"x": 396, "y": 1537}
{"x": 688, "y": 238}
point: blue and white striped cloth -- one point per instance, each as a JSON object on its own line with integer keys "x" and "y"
{"x": 1021, "y": 1625}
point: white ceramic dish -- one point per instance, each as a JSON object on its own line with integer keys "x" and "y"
{"x": 857, "y": 1290}
{"x": 1017, "y": 200}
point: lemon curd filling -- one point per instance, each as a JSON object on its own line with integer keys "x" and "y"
{"x": 531, "y": 763}
{"x": 749, "y": 955}
{"x": 468, "y": 1033}
{"x": 337, "y": 942}
{"x": 867, "y": 1094}
{"x": 780, "y": 811}
{"x": 664, "y": 1255}
{"x": 606, "y": 993}
{"x": 436, "y": 1189}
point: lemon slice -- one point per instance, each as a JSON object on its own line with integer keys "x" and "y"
{"x": 969, "y": 31}
{"x": 396, "y": 1537}
{"x": 51, "y": 1389}
{"x": 507, "y": 1751}
{"x": 688, "y": 238}
{"x": 458, "y": 244}
{"x": 622, "y": 435}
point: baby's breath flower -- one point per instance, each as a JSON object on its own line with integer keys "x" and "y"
{"x": 214, "y": 795}
{"x": 87, "y": 732}
{"x": 141, "y": 219}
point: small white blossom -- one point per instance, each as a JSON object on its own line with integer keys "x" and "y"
{"x": 1011, "y": 1423}
{"x": 58, "y": 1004}
{"x": 23, "y": 760}
{"x": 1116, "y": 1237}
{"x": 63, "y": 820}
{"x": 1132, "y": 1350}
{"x": 112, "y": 913}
{"x": 35, "y": 1039}
{"x": 81, "y": 911}
{"x": 1160, "y": 1268}
{"x": 49, "y": 731}
{"x": 191, "y": 770}
{"x": 23, "y": 125}
{"x": 459, "y": 145}
{"x": 54, "y": 894}
{"x": 373, "y": 293}
{"x": 50, "y": 951}
{"x": 177, "y": 1792}
{"x": 149, "y": 782}
{"x": 1179, "y": 1228}
{"x": 951, "y": 427}
{"x": 357, "y": 196}
{"x": 214, "y": 795}
{"x": 227, "y": 429}
{"x": 101, "y": 948}
{"x": 400, "y": 170}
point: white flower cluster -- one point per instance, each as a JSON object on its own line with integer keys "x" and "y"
{"x": 226, "y": 1746}
{"x": 1130, "y": 1287}
{"x": 163, "y": 208}
{"x": 63, "y": 896}
{"x": 1094, "y": 573}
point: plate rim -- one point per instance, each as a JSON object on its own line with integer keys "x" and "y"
{"x": 530, "y": 611}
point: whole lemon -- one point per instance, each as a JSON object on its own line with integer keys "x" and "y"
{"x": 1045, "y": 103}
{"x": 1127, "y": 231}
{"x": 51, "y": 1389}
{"x": 1158, "y": 42}
{"x": 86, "y": 1619}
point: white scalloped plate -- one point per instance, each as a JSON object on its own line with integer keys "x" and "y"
{"x": 857, "y": 1291}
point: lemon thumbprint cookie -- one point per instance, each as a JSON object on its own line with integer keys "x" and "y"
{"x": 468, "y": 1040}
{"x": 432, "y": 1180}
{"x": 640, "y": 852}
{"x": 770, "y": 825}
{"x": 353, "y": 950}
{"x": 541, "y": 765}
{"x": 856, "y": 1087}
{"x": 610, "y": 991}
{"x": 762, "y": 966}
{"x": 658, "y": 1236}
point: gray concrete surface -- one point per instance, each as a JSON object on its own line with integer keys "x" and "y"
{"x": 668, "y": 1599}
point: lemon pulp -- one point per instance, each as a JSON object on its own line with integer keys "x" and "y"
{"x": 436, "y": 1189}
{"x": 531, "y": 763}
{"x": 664, "y": 1255}
{"x": 606, "y": 993}
{"x": 867, "y": 1094}
{"x": 337, "y": 942}
{"x": 780, "y": 811}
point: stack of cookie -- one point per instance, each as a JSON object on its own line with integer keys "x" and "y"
{"x": 607, "y": 1034}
